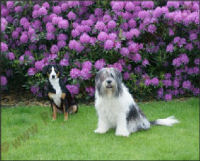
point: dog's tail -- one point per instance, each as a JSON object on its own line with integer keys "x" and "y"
{"x": 169, "y": 121}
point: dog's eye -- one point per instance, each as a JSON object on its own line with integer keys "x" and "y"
{"x": 112, "y": 75}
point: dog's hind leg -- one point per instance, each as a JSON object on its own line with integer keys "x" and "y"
{"x": 73, "y": 109}
{"x": 65, "y": 106}
{"x": 122, "y": 129}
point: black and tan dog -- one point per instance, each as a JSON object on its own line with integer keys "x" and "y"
{"x": 60, "y": 98}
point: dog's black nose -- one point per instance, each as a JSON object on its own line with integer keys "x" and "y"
{"x": 109, "y": 81}
{"x": 53, "y": 76}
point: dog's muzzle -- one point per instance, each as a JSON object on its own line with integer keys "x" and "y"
{"x": 53, "y": 76}
{"x": 109, "y": 84}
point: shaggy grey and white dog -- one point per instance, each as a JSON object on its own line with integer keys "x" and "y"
{"x": 116, "y": 107}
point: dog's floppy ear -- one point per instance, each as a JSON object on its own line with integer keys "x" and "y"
{"x": 98, "y": 75}
{"x": 44, "y": 70}
{"x": 60, "y": 68}
{"x": 118, "y": 74}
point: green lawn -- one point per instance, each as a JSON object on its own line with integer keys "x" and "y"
{"x": 28, "y": 133}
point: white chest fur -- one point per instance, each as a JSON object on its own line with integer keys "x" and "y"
{"x": 56, "y": 97}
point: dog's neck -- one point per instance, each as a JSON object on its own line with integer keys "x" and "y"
{"x": 55, "y": 84}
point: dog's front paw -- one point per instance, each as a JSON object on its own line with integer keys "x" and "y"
{"x": 100, "y": 130}
{"x": 122, "y": 133}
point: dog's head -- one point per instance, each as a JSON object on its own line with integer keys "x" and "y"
{"x": 52, "y": 71}
{"x": 108, "y": 81}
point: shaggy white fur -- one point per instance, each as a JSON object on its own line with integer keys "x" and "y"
{"x": 112, "y": 111}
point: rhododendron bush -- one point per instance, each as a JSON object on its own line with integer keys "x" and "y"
{"x": 155, "y": 45}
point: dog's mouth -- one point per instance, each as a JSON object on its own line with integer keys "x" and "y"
{"x": 109, "y": 86}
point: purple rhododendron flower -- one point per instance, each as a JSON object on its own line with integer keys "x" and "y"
{"x": 184, "y": 58}
{"x": 32, "y": 71}
{"x": 39, "y": 65}
{"x": 42, "y": 11}
{"x": 99, "y": 64}
{"x": 54, "y": 49}
{"x": 109, "y": 44}
{"x": 35, "y": 89}
{"x": 57, "y": 9}
{"x": 64, "y": 62}
{"x": 111, "y": 24}
{"x": 152, "y": 28}
{"x": 117, "y": 6}
{"x": 63, "y": 24}
{"x": 176, "y": 62}
{"x": 197, "y": 61}
{"x": 176, "y": 83}
{"x": 196, "y": 91}
{"x": 186, "y": 84}
{"x": 100, "y": 26}
{"x": 18, "y": 9}
{"x": 170, "y": 48}
{"x": 61, "y": 44}
{"x": 112, "y": 36}
{"x": 168, "y": 97}
{"x": 50, "y": 36}
{"x": 87, "y": 65}
{"x": 73, "y": 89}
{"x": 106, "y": 18}
{"x": 129, "y": 6}
{"x": 167, "y": 83}
{"x": 15, "y": 34}
{"x": 145, "y": 62}
{"x": 137, "y": 57}
{"x": 71, "y": 15}
{"x": 98, "y": 12}
{"x": 90, "y": 90}
{"x": 24, "y": 38}
{"x": 126, "y": 76}
{"x": 147, "y": 82}
{"x": 62, "y": 37}
{"x": 10, "y": 56}
{"x": 167, "y": 75}
{"x": 3, "y": 80}
{"x": 46, "y": 5}
{"x": 84, "y": 38}
{"x": 160, "y": 93}
{"x": 102, "y": 36}
{"x": 147, "y": 4}
{"x": 75, "y": 73}
{"x": 75, "y": 33}
{"x": 155, "y": 81}
{"x": 124, "y": 51}
{"x": 85, "y": 74}
{"x": 4, "y": 47}
{"x": 193, "y": 36}
{"x": 117, "y": 66}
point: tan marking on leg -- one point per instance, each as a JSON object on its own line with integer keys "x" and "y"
{"x": 50, "y": 95}
{"x": 65, "y": 113}
{"x": 65, "y": 116}
{"x": 63, "y": 96}
{"x": 54, "y": 112}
